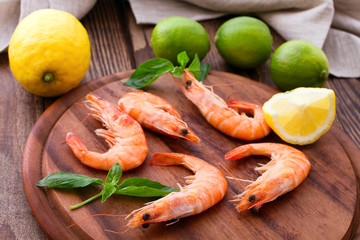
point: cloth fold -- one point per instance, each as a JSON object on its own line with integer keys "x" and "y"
{"x": 333, "y": 25}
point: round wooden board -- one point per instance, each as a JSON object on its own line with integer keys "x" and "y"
{"x": 324, "y": 206}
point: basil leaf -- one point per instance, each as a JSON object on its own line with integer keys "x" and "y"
{"x": 148, "y": 72}
{"x": 143, "y": 191}
{"x": 194, "y": 67}
{"x": 143, "y": 187}
{"x": 68, "y": 180}
{"x": 183, "y": 59}
{"x": 177, "y": 72}
{"x": 204, "y": 70}
{"x": 109, "y": 189}
{"x": 114, "y": 174}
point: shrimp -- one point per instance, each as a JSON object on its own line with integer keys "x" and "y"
{"x": 124, "y": 135}
{"x": 286, "y": 170}
{"x": 206, "y": 188}
{"x": 223, "y": 116}
{"x": 156, "y": 114}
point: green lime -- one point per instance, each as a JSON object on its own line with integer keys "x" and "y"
{"x": 299, "y": 64}
{"x": 244, "y": 42}
{"x": 177, "y": 34}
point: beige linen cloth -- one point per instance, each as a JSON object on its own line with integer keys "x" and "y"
{"x": 333, "y": 25}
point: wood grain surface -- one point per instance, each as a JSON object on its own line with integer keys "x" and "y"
{"x": 324, "y": 205}
{"x": 119, "y": 44}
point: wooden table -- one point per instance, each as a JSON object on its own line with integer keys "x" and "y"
{"x": 118, "y": 44}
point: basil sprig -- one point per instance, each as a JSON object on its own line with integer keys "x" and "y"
{"x": 150, "y": 70}
{"x": 138, "y": 187}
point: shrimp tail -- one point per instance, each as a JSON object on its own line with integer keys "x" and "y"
{"x": 166, "y": 159}
{"x": 239, "y": 152}
{"x": 76, "y": 145}
{"x": 241, "y": 105}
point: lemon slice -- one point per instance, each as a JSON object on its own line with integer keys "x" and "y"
{"x": 302, "y": 115}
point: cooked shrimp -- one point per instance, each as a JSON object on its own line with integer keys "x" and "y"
{"x": 156, "y": 114}
{"x": 124, "y": 135}
{"x": 286, "y": 170}
{"x": 206, "y": 188}
{"x": 225, "y": 117}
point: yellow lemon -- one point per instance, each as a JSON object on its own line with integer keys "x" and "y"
{"x": 49, "y": 52}
{"x": 302, "y": 115}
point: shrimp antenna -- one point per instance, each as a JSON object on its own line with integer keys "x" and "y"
{"x": 100, "y": 214}
{"x": 228, "y": 84}
{"x": 228, "y": 172}
{"x": 110, "y": 231}
{"x": 82, "y": 121}
{"x": 80, "y": 104}
{"x": 224, "y": 84}
{"x": 227, "y": 96}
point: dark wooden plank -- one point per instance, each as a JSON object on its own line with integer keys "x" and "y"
{"x": 110, "y": 46}
{"x": 20, "y": 110}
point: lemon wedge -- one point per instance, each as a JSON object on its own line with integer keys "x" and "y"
{"x": 302, "y": 115}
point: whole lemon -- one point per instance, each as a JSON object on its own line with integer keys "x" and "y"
{"x": 174, "y": 35}
{"x": 299, "y": 64}
{"x": 244, "y": 42}
{"x": 49, "y": 52}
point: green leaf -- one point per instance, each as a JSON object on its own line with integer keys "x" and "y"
{"x": 204, "y": 70}
{"x": 114, "y": 174}
{"x": 177, "y": 72}
{"x": 109, "y": 189}
{"x": 183, "y": 59}
{"x": 199, "y": 69}
{"x": 68, "y": 180}
{"x": 194, "y": 67}
{"x": 148, "y": 72}
{"x": 143, "y": 191}
{"x": 112, "y": 179}
{"x": 143, "y": 187}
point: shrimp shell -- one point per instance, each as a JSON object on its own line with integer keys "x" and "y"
{"x": 206, "y": 188}
{"x": 223, "y": 116}
{"x": 156, "y": 114}
{"x": 286, "y": 170}
{"x": 124, "y": 135}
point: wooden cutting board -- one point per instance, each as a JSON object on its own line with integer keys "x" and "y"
{"x": 324, "y": 206}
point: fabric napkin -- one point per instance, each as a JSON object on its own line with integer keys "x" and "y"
{"x": 12, "y": 11}
{"x": 333, "y": 25}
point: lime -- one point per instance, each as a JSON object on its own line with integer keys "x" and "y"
{"x": 177, "y": 34}
{"x": 299, "y": 64}
{"x": 302, "y": 115}
{"x": 244, "y": 42}
{"x": 49, "y": 52}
